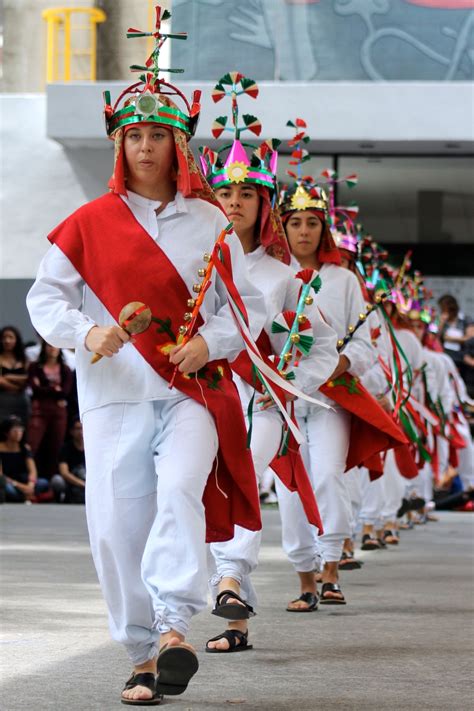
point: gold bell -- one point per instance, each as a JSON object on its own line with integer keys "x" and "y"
{"x": 295, "y": 338}
{"x": 340, "y": 343}
{"x": 196, "y": 288}
{"x": 302, "y": 318}
{"x": 207, "y": 257}
{"x": 188, "y": 316}
{"x": 368, "y": 308}
{"x": 378, "y": 299}
{"x": 362, "y": 317}
{"x": 287, "y": 357}
{"x": 182, "y": 330}
{"x": 191, "y": 303}
{"x": 308, "y": 300}
{"x": 202, "y": 272}
{"x": 351, "y": 329}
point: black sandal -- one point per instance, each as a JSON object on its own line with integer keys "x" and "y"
{"x": 175, "y": 666}
{"x": 393, "y": 536}
{"x": 369, "y": 543}
{"x": 348, "y": 562}
{"x": 231, "y": 636}
{"x": 334, "y": 588}
{"x": 310, "y": 599}
{"x": 232, "y": 610}
{"x": 146, "y": 679}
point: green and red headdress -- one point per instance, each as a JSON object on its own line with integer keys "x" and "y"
{"x": 305, "y": 194}
{"x": 149, "y": 101}
{"x": 242, "y": 162}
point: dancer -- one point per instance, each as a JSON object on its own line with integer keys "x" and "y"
{"x": 305, "y": 215}
{"x": 245, "y": 187}
{"x": 148, "y": 497}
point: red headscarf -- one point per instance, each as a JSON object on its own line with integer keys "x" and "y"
{"x": 272, "y": 234}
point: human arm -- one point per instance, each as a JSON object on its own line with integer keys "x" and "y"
{"x": 68, "y": 476}
{"x": 358, "y": 350}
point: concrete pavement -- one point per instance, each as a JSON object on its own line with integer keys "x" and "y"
{"x": 405, "y": 640}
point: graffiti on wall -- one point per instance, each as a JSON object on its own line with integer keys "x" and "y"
{"x": 379, "y": 40}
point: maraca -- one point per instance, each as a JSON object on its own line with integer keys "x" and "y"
{"x": 134, "y": 318}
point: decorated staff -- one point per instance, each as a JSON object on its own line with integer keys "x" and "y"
{"x": 379, "y": 299}
{"x": 299, "y": 322}
{"x": 190, "y": 317}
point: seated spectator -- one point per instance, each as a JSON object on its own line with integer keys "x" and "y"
{"x": 467, "y": 369}
{"x": 69, "y": 485}
{"x": 20, "y": 477}
{"x": 452, "y": 328}
{"x": 13, "y": 375}
{"x": 50, "y": 380}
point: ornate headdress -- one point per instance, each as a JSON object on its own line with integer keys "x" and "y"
{"x": 145, "y": 99}
{"x": 237, "y": 167}
{"x": 306, "y": 194}
{"x": 234, "y": 164}
{"x": 148, "y": 101}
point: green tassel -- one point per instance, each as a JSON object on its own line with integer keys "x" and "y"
{"x": 316, "y": 284}
{"x": 304, "y": 344}
{"x": 278, "y": 328}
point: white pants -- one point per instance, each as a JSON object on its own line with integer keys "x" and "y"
{"x": 238, "y": 557}
{"x": 327, "y": 435}
{"x": 354, "y": 485}
{"x": 394, "y": 487}
{"x": 372, "y": 500}
{"x": 147, "y": 467}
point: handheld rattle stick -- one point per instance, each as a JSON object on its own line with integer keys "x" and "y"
{"x": 134, "y": 318}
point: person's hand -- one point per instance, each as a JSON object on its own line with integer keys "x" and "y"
{"x": 30, "y": 489}
{"x": 342, "y": 366}
{"x": 266, "y": 401}
{"x": 106, "y": 340}
{"x": 192, "y": 356}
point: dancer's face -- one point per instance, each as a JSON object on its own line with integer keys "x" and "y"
{"x": 241, "y": 204}
{"x": 304, "y": 230}
{"x": 150, "y": 154}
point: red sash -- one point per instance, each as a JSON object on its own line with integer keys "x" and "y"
{"x": 372, "y": 429}
{"x": 120, "y": 262}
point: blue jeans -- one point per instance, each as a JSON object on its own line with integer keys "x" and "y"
{"x": 14, "y": 495}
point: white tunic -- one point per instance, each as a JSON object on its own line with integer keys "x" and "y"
{"x": 63, "y": 308}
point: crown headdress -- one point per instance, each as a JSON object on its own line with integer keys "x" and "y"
{"x": 145, "y": 100}
{"x": 304, "y": 194}
{"x": 237, "y": 167}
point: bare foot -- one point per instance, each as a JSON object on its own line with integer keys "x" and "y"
{"x": 331, "y": 575}
{"x": 223, "y": 644}
{"x": 308, "y": 585}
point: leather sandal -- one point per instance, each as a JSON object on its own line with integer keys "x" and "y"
{"x": 348, "y": 562}
{"x": 369, "y": 543}
{"x": 232, "y": 610}
{"x": 334, "y": 588}
{"x": 310, "y": 599}
{"x": 175, "y": 666}
{"x": 390, "y": 538}
{"x": 232, "y": 636}
{"x": 146, "y": 679}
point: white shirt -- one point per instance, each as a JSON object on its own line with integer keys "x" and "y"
{"x": 281, "y": 289}
{"x": 63, "y": 308}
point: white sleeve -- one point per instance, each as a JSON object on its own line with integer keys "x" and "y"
{"x": 220, "y": 331}
{"x": 54, "y": 302}
{"x": 359, "y": 350}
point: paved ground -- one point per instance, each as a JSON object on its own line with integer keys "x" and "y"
{"x": 404, "y": 642}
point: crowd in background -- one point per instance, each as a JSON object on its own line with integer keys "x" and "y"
{"x": 41, "y": 444}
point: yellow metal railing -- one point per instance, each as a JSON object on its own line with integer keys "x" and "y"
{"x": 64, "y": 42}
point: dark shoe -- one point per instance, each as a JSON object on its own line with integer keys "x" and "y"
{"x": 232, "y": 636}
{"x": 146, "y": 679}
{"x": 328, "y": 600}
{"x": 310, "y": 599}
{"x": 232, "y": 610}
{"x": 369, "y": 543}
{"x": 348, "y": 562}
{"x": 175, "y": 667}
